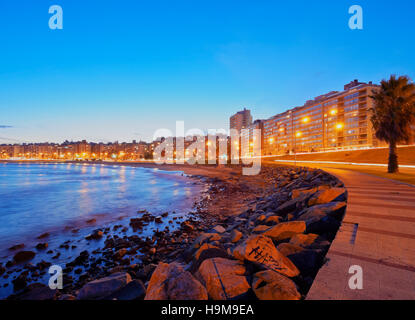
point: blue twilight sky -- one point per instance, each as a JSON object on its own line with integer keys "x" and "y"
{"x": 119, "y": 70}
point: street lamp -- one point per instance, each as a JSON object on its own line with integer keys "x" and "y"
{"x": 297, "y": 135}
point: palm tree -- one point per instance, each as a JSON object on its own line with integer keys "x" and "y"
{"x": 393, "y": 113}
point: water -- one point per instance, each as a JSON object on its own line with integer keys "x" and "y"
{"x": 56, "y": 198}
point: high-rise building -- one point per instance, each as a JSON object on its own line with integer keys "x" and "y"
{"x": 240, "y": 120}
{"x": 249, "y": 143}
{"x": 336, "y": 120}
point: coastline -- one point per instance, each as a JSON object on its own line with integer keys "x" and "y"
{"x": 230, "y": 199}
{"x": 200, "y": 177}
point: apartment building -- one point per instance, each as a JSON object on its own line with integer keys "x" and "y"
{"x": 248, "y": 139}
{"x": 240, "y": 120}
{"x": 336, "y": 120}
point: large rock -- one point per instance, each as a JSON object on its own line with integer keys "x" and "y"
{"x": 261, "y": 228}
{"x": 219, "y": 229}
{"x": 23, "y": 256}
{"x": 99, "y": 289}
{"x": 323, "y": 217}
{"x": 304, "y": 240}
{"x": 290, "y": 205}
{"x": 224, "y": 278}
{"x": 270, "y": 285}
{"x": 235, "y": 235}
{"x": 287, "y": 248}
{"x": 204, "y": 247}
{"x": 134, "y": 290}
{"x": 38, "y": 291}
{"x": 328, "y": 195}
{"x": 303, "y": 192}
{"x": 208, "y": 251}
{"x": 172, "y": 282}
{"x": 273, "y": 219}
{"x": 206, "y": 237}
{"x": 285, "y": 230}
{"x": 261, "y": 250}
{"x": 307, "y": 261}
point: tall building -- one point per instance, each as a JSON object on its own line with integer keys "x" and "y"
{"x": 240, "y": 120}
{"x": 336, "y": 120}
{"x": 248, "y": 139}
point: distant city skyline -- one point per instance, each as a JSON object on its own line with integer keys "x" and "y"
{"x": 122, "y": 71}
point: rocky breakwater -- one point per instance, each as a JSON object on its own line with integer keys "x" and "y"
{"x": 271, "y": 251}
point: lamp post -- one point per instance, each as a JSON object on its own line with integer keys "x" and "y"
{"x": 297, "y": 135}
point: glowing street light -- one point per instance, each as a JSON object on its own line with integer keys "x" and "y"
{"x": 271, "y": 140}
{"x": 339, "y": 126}
{"x": 333, "y": 112}
{"x": 298, "y": 134}
{"x": 305, "y": 120}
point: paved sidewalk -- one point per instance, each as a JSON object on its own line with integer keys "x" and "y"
{"x": 378, "y": 234}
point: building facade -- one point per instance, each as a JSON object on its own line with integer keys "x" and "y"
{"x": 240, "y": 120}
{"x": 336, "y": 120}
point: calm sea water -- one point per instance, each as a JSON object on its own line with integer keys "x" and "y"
{"x": 38, "y": 198}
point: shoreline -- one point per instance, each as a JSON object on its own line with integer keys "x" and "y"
{"x": 230, "y": 198}
{"x": 203, "y": 181}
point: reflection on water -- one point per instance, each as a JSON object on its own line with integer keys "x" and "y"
{"x": 37, "y": 198}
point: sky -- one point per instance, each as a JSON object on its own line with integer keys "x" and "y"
{"x": 120, "y": 70}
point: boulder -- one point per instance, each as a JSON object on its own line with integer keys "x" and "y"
{"x": 17, "y": 247}
{"x": 323, "y": 217}
{"x": 101, "y": 288}
{"x": 172, "y": 282}
{"x": 208, "y": 253}
{"x": 42, "y": 246}
{"x": 261, "y": 218}
{"x": 273, "y": 220}
{"x": 23, "y": 256}
{"x": 120, "y": 253}
{"x": 204, "y": 247}
{"x": 261, "y": 250}
{"x": 43, "y": 235}
{"x": 328, "y": 195}
{"x": 285, "y": 230}
{"x": 261, "y": 228}
{"x": 38, "y": 291}
{"x": 96, "y": 235}
{"x": 270, "y": 285}
{"x": 304, "y": 240}
{"x": 20, "y": 282}
{"x": 134, "y": 290}
{"x": 303, "y": 192}
{"x": 206, "y": 237}
{"x": 219, "y": 229}
{"x": 287, "y": 248}
{"x": 289, "y": 206}
{"x": 224, "y": 278}
{"x": 235, "y": 236}
{"x": 307, "y": 261}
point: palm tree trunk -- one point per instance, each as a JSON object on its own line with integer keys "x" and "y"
{"x": 393, "y": 166}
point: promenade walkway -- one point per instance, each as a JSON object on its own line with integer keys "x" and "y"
{"x": 377, "y": 234}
